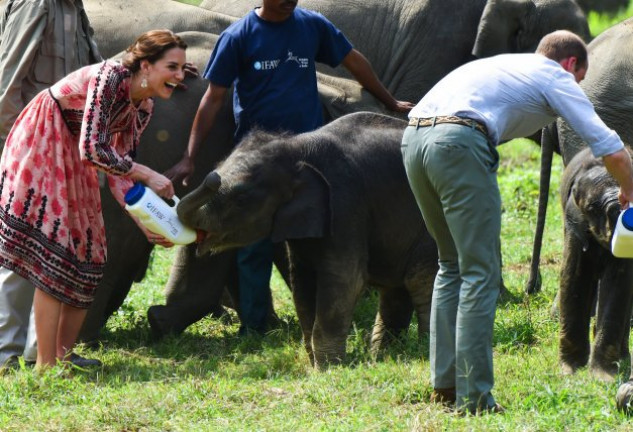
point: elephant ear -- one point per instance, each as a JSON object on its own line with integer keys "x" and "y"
{"x": 308, "y": 213}
{"x": 500, "y": 26}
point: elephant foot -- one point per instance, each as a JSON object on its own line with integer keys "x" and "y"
{"x": 605, "y": 367}
{"x": 624, "y": 397}
{"x": 383, "y": 338}
{"x": 606, "y": 376}
{"x": 159, "y": 326}
{"x": 570, "y": 368}
{"x": 324, "y": 360}
{"x": 165, "y": 320}
{"x": 573, "y": 353}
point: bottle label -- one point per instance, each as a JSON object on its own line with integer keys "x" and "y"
{"x": 173, "y": 227}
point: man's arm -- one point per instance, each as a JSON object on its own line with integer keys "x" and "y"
{"x": 619, "y": 166}
{"x": 210, "y": 104}
{"x": 361, "y": 69}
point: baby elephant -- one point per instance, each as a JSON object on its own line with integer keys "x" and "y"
{"x": 340, "y": 199}
{"x": 590, "y": 273}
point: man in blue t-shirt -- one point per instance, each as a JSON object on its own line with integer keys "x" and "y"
{"x": 269, "y": 56}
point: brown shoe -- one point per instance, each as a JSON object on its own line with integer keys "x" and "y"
{"x": 444, "y": 396}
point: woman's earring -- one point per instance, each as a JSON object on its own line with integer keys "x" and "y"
{"x": 144, "y": 82}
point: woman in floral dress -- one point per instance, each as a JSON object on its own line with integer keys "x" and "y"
{"x": 52, "y": 234}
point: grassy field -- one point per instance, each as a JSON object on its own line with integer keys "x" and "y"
{"x": 210, "y": 379}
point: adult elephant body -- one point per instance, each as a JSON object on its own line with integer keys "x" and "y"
{"x": 340, "y": 199}
{"x": 413, "y": 44}
{"x": 117, "y": 23}
{"x": 391, "y": 34}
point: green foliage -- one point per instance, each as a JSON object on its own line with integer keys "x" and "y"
{"x": 211, "y": 379}
{"x": 600, "y": 22}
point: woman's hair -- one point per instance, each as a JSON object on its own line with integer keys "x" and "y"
{"x": 151, "y": 46}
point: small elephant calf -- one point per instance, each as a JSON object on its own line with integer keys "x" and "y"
{"x": 590, "y": 274}
{"x": 340, "y": 199}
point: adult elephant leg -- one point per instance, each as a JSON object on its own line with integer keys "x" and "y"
{"x": 578, "y": 282}
{"x": 393, "y": 317}
{"x": 128, "y": 256}
{"x": 612, "y": 324}
{"x": 195, "y": 289}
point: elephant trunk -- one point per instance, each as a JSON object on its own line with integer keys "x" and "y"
{"x": 190, "y": 204}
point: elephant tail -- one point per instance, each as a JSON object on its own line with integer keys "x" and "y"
{"x": 549, "y": 141}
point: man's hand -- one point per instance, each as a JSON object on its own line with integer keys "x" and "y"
{"x": 183, "y": 170}
{"x": 402, "y": 106}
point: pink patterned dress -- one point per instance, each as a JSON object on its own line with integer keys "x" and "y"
{"x": 51, "y": 226}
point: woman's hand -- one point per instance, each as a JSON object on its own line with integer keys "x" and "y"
{"x": 150, "y": 178}
{"x": 161, "y": 185}
{"x": 153, "y": 238}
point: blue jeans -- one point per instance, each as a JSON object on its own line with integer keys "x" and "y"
{"x": 452, "y": 173}
{"x": 254, "y": 265}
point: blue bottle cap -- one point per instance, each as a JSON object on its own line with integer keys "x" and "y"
{"x": 136, "y": 192}
{"x": 627, "y": 219}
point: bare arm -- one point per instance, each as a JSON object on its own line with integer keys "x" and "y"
{"x": 361, "y": 69}
{"x": 210, "y": 104}
{"x": 619, "y": 166}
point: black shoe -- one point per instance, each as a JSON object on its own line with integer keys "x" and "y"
{"x": 83, "y": 362}
{"x": 12, "y": 363}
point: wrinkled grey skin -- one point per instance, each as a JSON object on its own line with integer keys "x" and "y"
{"x": 340, "y": 199}
{"x": 390, "y": 34}
{"x": 590, "y": 274}
{"x": 393, "y": 34}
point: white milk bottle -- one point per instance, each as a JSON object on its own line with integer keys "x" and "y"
{"x": 622, "y": 241}
{"x": 157, "y": 215}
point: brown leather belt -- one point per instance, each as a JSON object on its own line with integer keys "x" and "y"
{"x": 425, "y": 122}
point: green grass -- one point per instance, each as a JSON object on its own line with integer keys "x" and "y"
{"x": 209, "y": 379}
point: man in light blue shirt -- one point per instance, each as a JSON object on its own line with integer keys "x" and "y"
{"x": 449, "y": 152}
